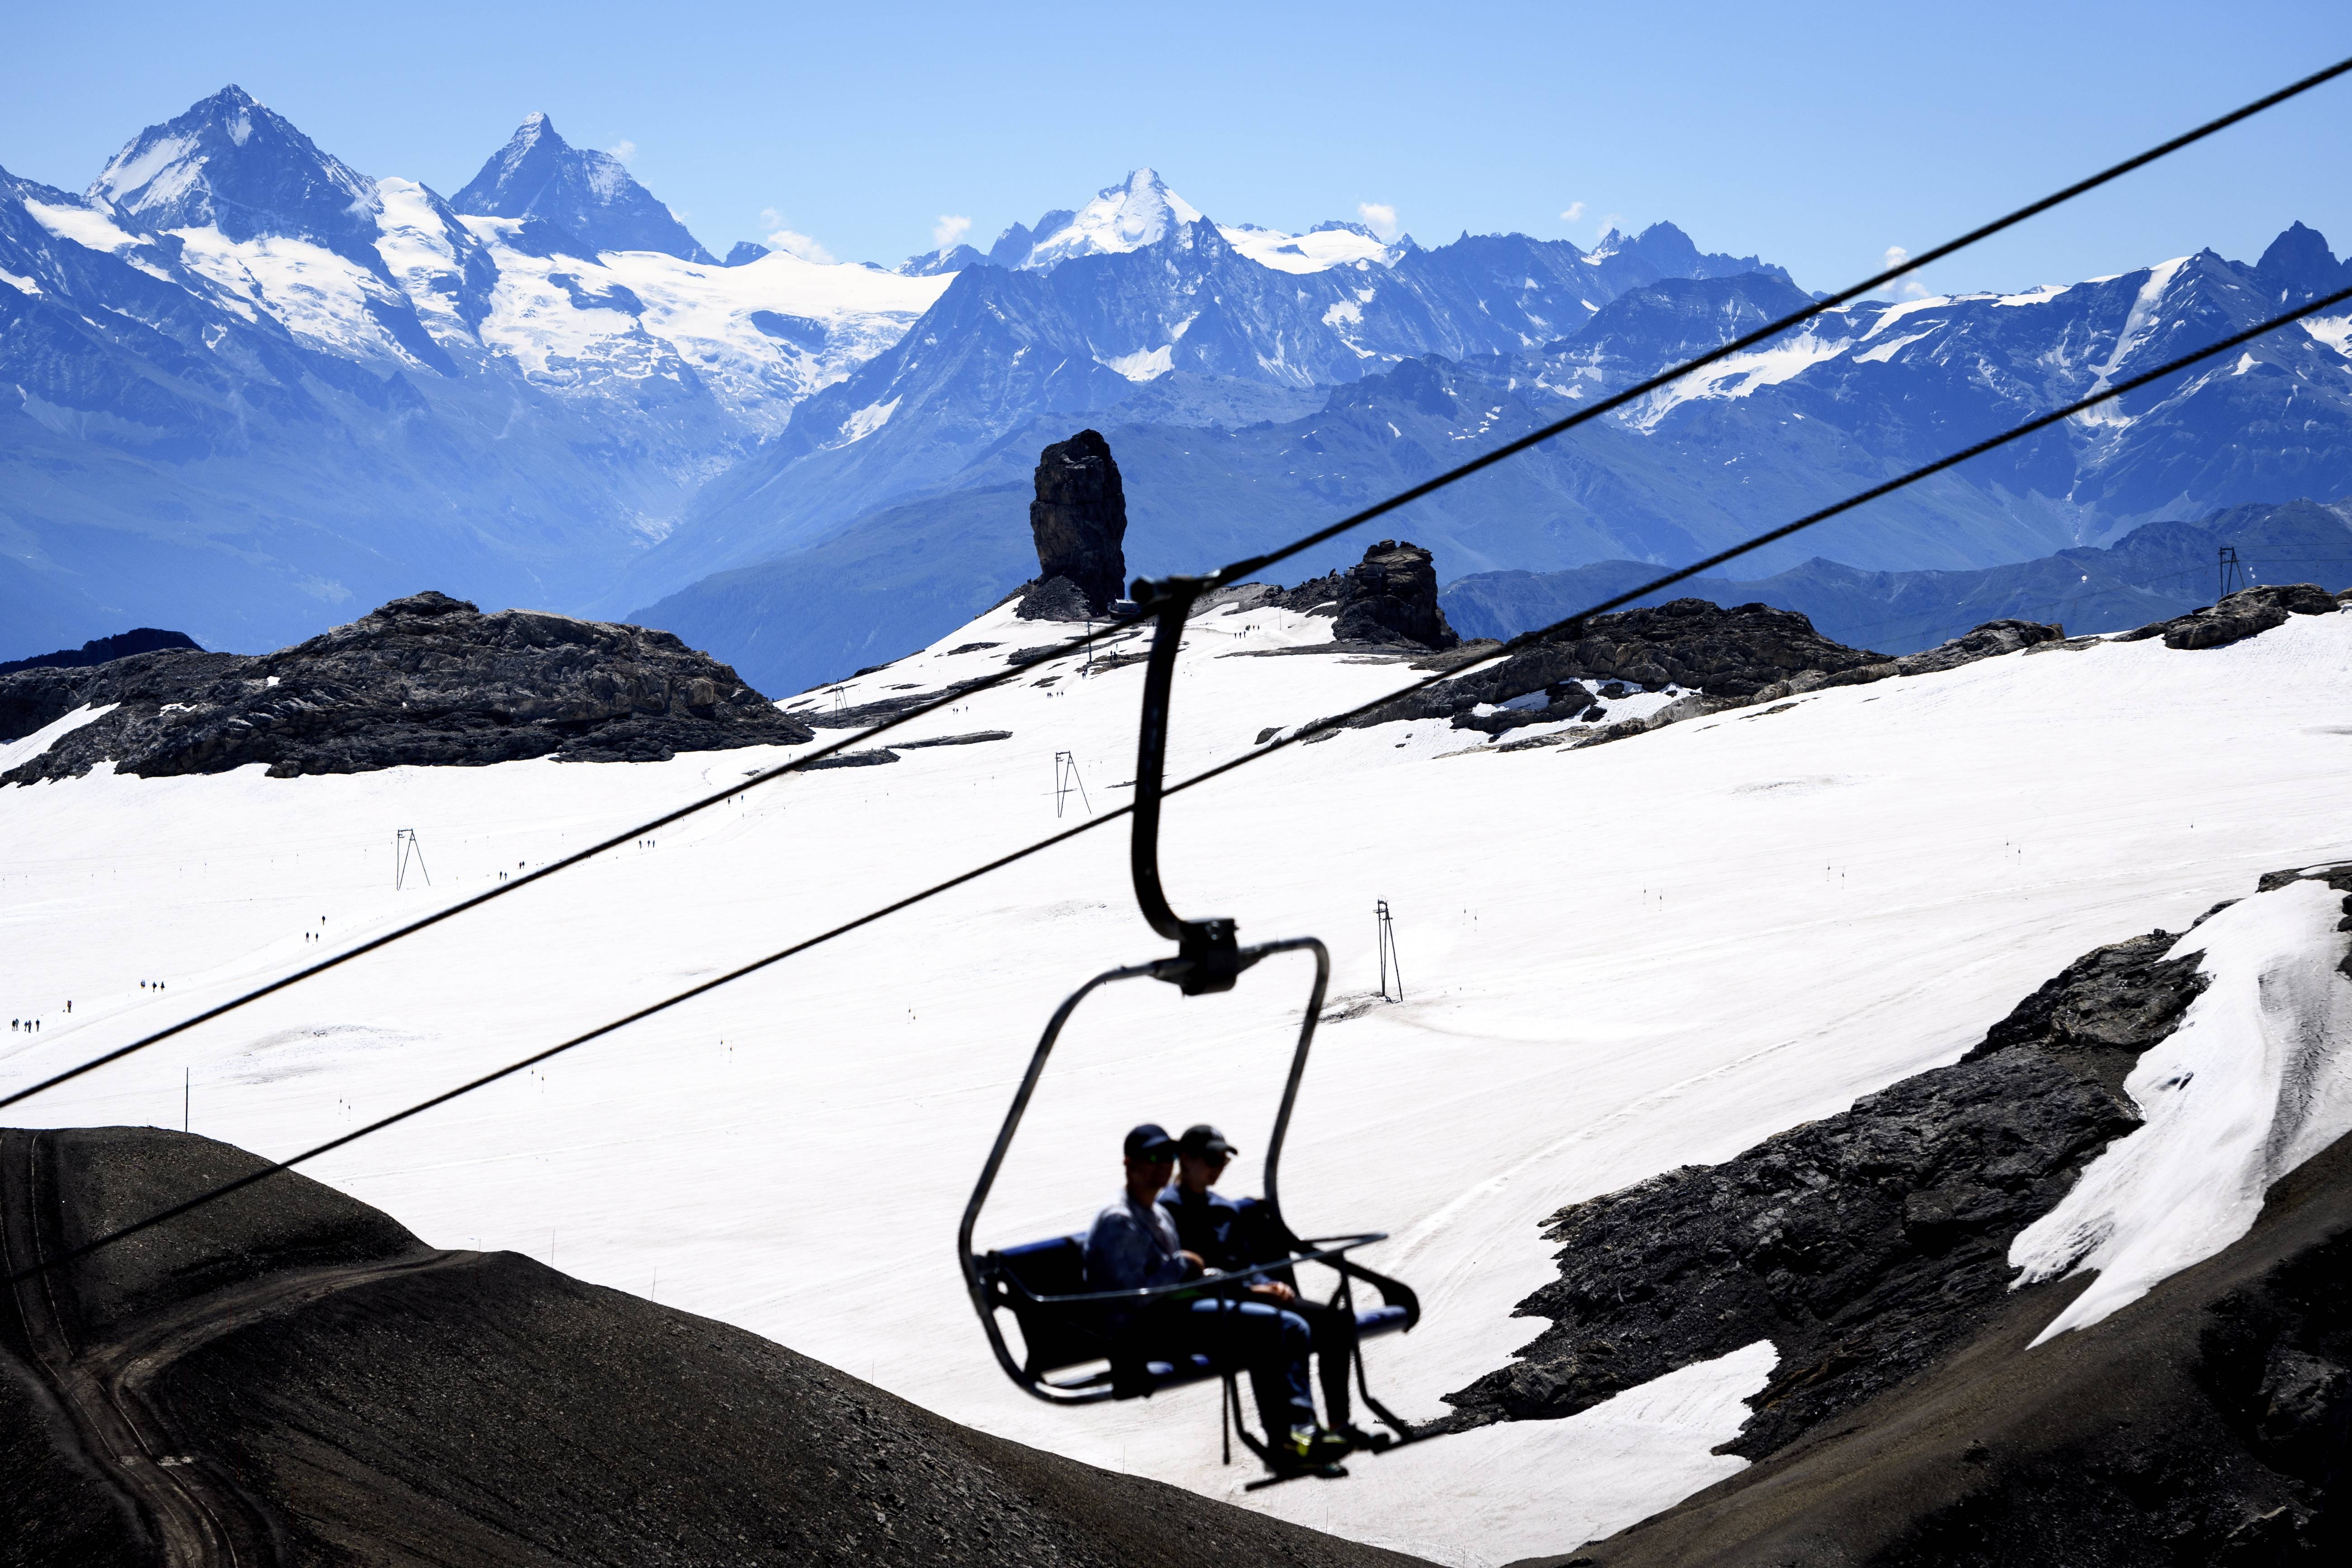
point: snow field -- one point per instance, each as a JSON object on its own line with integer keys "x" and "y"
{"x": 1617, "y": 961}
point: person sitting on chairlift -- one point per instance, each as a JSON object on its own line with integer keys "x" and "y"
{"x": 1134, "y": 1245}
{"x": 1229, "y": 1239}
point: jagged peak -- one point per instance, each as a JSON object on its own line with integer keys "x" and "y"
{"x": 1139, "y": 211}
{"x": 233, "y": 162}
{"x": 579, "y": 190}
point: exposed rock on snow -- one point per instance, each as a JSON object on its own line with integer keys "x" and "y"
{"x": 1079, "y": 521}
{"x": 424, "y": 680}
{"x": 2244, "y": 613}
{"x": 1391, "y": 596}
{"x": 2203, "y": 1423}
{"x": 1917, "y": 1416}
{"x": 1864, "y": 1244}
{"x": 350, "y": 1395}
{"x": 1053, "y": 598}
{"x": 1988, "y": 641}
{"x": 1752, "y": 651}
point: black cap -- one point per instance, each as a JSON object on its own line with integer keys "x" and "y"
{"x": 1150, "y": 1141}
{"x": 1206, "y": 1142}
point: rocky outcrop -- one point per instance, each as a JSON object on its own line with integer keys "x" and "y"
{"x": 425, "y": 679}
{"x": 2246, "y": 613}
{"x": 1079, "y": 523}
{"x": 1389, "y": 597}
{"x": 1905, "y": 1423}
{"x": 1747, "y": 653}
{"x": 2203, "y": 1423}
{"x": 103, "y": 650}
{"x": 1864, "y": 1244}
{"x": 321, "y": 1386}
{"x": 1989, "y": 641}
{"x": 1053, "y": 599}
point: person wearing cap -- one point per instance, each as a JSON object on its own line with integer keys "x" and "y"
{"x": 1229, "y": 1239}
{"x": 1133, "y": 1245}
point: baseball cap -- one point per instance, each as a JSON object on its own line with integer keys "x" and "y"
{"x": 1206, "y": 1142}
{"x": 1149, "y": 1142}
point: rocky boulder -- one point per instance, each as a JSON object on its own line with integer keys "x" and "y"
{"x": 2246, "y": 613}
{"x": 424, "y": 680}
{"x": 1391, "y": 596}
{"x": 1079, "y": 523}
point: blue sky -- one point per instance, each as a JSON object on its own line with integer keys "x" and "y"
{"x": 1815, "y": 135}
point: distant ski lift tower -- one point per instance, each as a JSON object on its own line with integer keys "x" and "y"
{"x": 1065, "y": 781}
{"x": 404, "y": 848}
{"x": 1386, "y": 933}
{"x": 2234, "y": 574}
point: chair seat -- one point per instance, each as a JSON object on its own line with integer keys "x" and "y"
{"x": 1059, "y": 1338}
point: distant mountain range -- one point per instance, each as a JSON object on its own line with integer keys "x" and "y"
{"x": 1859, "y": 396}
{"x": 257, "y": 390}
{"x": 2155, "y": 572}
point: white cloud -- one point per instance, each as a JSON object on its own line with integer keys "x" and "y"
{"x": 1902, "y": 288}
{"x": 1575, "y": 210}
{"x": 1379, "y": 217}
{"x": 791, "y": 240}
{"x": 799, "y": 245}
{"x": 624, "y": 150}
{"x": 950, "y": 231}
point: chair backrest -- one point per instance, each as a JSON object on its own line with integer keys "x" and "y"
{"x": 1054, "y": 1336}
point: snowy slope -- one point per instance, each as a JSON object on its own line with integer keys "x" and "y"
{"x": 1617, "y": 961}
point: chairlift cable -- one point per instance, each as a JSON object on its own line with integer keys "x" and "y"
{"x": 1231, "y": 572}
{"x": 1303, "y": 732}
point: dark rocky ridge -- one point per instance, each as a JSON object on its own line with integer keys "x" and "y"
{"x": 2244, "y": 613}
{"x": 424, "y": 680}
{"x": 322, "y": 1387}
{"x": 1080, "y": 524}
{"x": 103, "y": 650}
{"x": 1742, "y": 653}
{"x": 2212, "y": 1422}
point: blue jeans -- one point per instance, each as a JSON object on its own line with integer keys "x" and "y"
{"x": 1270, "y": 1343}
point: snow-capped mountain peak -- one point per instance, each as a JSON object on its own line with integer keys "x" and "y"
{"x": 232, "y": 163}
{"x": 1122, "y": 217}
{"x": 586, "y": 193}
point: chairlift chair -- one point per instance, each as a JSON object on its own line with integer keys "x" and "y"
{"x": 1071, "y": 1354}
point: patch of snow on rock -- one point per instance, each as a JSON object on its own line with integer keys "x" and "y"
{"x": 14, "y": 753}
{"x": 2256, "y": 1080}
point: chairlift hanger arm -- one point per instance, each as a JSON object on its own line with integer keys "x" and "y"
{"x": 1207, "y": 948}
